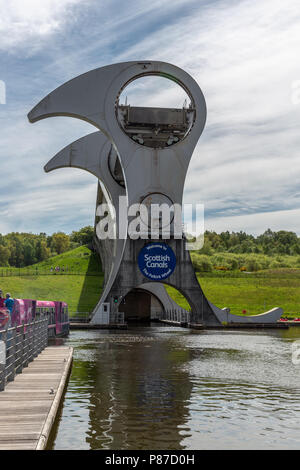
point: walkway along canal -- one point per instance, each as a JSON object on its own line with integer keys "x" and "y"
{"x": 32, "y": 380}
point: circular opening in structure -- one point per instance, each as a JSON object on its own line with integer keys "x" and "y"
{"x": 158, "y": 211}
{"x": 155, "y": 110}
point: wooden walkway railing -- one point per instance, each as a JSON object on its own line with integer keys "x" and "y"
{"x": 21, "y": 344}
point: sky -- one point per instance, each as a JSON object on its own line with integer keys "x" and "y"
{"x": 244, "y": 54}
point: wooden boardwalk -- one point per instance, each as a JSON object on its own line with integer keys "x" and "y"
{"x": 29, "y": 404}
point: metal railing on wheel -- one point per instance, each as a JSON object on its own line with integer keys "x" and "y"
{"x": 179, "y": 316}
{"x": 20, "y": 345}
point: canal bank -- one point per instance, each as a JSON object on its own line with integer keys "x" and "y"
{"x": 161, "y": 387}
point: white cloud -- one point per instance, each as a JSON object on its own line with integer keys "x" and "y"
{"x": 243, "y": 54}
{"x": 40, "y": 207}
{"x": 22, "y": 21}
{"x": 244, "y": 57}
{"x": 256, "y": 223}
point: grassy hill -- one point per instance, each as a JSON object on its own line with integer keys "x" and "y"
{"x": 80, "y": 285}
{"x": 80, "y": 260}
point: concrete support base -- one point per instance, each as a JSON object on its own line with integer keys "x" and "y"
{"x": 183, "y": 278}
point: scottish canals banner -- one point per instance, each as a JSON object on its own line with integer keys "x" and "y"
{"x": 157, "y": 261}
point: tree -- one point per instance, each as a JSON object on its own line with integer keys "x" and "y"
{"x": 29, "y": 254}
{"x": 4, "y": 255}
{"x": 42, "y": 251}
{"x": 84, "y": 236}
{"x": 60, "y": 242}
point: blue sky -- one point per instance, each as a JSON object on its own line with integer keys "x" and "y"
{"x": 244, "y": 55}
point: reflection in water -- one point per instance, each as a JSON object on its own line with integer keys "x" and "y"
{"x": 168, "y": 388}
{"x": 135, "y": 401}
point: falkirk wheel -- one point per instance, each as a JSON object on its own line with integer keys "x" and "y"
{"x": 139, "y": 155}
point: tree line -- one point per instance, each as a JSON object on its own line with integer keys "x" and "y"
{"x": 239, "y": 250}
{"x": 24, "y": 249}
{"x": 269, "y": 243}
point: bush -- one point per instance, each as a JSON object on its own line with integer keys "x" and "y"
{"x": 253, "y": 265}
{"x": 227, "y": 261}
{"x": 280, "y": 263}
{"x": 218, "y": 259}
{"x": 202, "y": 263}
{"x": 232, "y": 262}
{"x": 275, "y": 265}
{"x": 264, "y": 261}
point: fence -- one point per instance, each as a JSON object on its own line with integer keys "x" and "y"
{"x": 10, "y": 272}
{"x": 22, "y": 344}
{"x": 175, "y": 315}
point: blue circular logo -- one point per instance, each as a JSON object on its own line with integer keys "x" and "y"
{"x": 157, "y": 261}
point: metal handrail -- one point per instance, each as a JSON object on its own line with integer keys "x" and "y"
{"x": 22, "y": 344}
{"x": 178, "y": 316}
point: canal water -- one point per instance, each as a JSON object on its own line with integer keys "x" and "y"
{"x": 160, "y": 387}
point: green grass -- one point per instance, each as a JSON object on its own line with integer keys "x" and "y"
{"x": 178, "y": 297}
{"x": 81, "y": 290}
{"x": 80, "y": 260}
{"x": 255, "y": 292}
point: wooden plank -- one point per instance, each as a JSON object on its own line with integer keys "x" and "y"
{"x": 19, "y": 445}
{"x": 33, "y": 392}
{"x": 23, "y": 419}
{"x": 28, "y": 379}
{"x": 27, "y": 399}
{"x": 42, "y": 374}
{"x": 20, "y": 430}
{"x": 21, "y": 404}
{"x": 16, "y": 436}
{"x": 48, "y": 365}
{"x": 27, "y": 405}
{"x": 44, "y": 386}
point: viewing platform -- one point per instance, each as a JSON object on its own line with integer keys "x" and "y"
{"x": 29, "y": 404}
